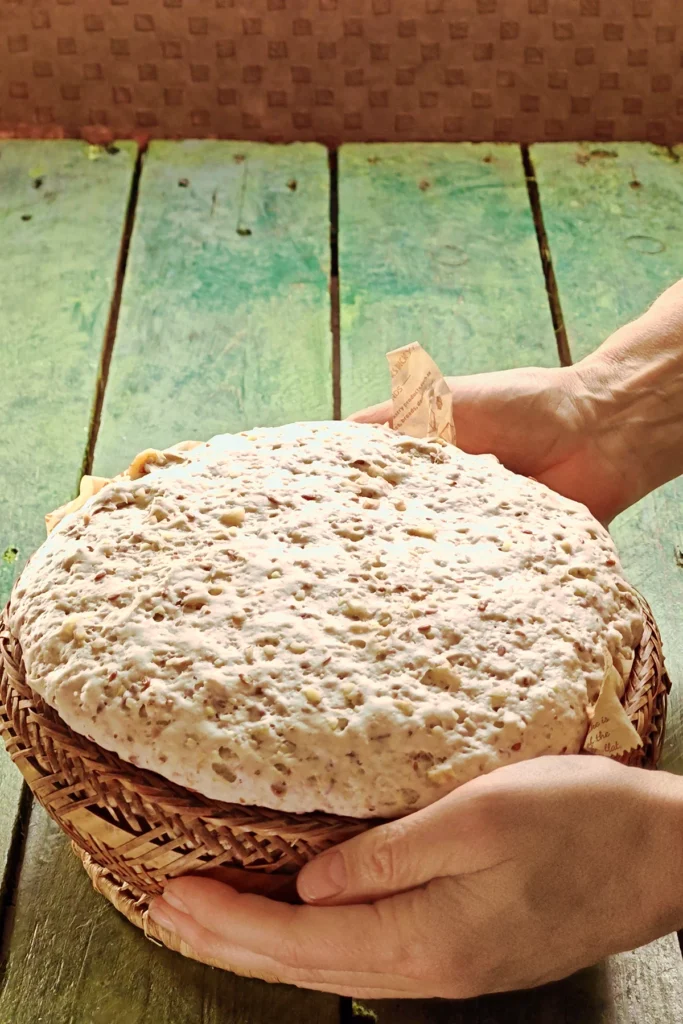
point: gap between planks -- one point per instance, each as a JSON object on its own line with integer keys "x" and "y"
{"x": 335, "y": 330}
{"x": 8, "y": 891}
{"x": 552, "y": 291}
{"x": 113, "y": 319}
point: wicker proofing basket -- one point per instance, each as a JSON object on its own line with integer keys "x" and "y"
{"x": 133, "y": 830}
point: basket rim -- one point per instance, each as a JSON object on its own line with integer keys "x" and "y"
{"x": 136, "y": 828}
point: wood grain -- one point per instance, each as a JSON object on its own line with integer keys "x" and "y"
{"x": 436, "y": 245}
{"x": 61, "y": 219}
{"x": 225, "y": 320}
{"x": 612, "y": 217}
{"x": 374, "y": 298}
{"x": 75, "y": 960}
{"x": 219, "y": 330}
{"x": 62, "y": 208}
{"x": 642, "y": 987}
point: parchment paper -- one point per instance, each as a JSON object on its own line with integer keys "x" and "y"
{"x": 420, "y": 395}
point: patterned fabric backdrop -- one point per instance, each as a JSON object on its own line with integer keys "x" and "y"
{"x": 344, "y": 69}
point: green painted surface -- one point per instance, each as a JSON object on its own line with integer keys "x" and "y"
{"x": 218, "y": 331}
{"x": 76, "y": 960}
{"x": 613, "y": 218}
{"x": 225, "y": 319}
{"x": 61, "y": 219}
{"x": 591, "y": 209}
{"x": 60, "y": 243}
{"x": 437, "y": 245}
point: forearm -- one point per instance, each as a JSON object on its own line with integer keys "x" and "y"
{"x": 632, "y": 391}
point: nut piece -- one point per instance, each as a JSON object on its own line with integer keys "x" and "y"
{"x": 422, "y": 530}
{"x": 233, "y": 517}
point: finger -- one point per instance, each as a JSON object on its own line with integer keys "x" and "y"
{"x": 381, "y": 413}
{"x": 292, "y": 955}
{"x": 443, "y": 839}
{"x": 204, "y": 945}
{"x": 193, "y": 940}
{"x": 275, "y": 886}
{"x": 318, "y": 938}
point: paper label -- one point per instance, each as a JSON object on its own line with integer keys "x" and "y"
{"x": 611, "y": 732}
{"x": 421, "y": 397}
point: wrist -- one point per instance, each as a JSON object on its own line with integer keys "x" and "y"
{"x": 630, "y": 394}
{"x": 663, "y": 864}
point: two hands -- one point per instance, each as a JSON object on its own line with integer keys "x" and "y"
{"x": 540, "y": 868}
{"x": 517, "y": 878}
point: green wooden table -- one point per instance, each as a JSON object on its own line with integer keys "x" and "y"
{"x": 209, "y": 287}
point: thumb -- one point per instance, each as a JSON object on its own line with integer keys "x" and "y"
{"x": 381, "y": 413}
{"x": 443, "y": 839}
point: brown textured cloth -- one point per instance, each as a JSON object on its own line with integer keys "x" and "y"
{"x": 344, "y": 70}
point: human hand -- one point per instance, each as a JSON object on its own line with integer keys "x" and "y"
{"x": 537, "y": 422}
{"x": 604, "y": 432}
{"x": 520, "y": 877}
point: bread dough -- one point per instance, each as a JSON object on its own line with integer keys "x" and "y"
{"x": 326, "y": 616}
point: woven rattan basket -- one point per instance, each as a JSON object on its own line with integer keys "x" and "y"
{"x": 133, "y": 829}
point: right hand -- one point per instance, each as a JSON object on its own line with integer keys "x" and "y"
{"x": 537, "y": 422}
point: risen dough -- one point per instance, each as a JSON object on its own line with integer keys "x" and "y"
{"x": 326, "y": 616}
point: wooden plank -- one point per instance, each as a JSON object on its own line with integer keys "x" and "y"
{"x": 225, "y": 316}
{"x": 436, "y": 245}
{"x": 378, "y": 289}
{"x": 612, "y": 217}
{"x": 642, "y": 987}
{"x": 75, "y": 960}
{"x": 219, "y": 330}
{"x": 62, "y": 208}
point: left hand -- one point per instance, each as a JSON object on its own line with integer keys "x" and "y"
{"x": 520, "y": 877}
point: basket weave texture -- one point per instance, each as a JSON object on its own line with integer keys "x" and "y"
{"x": 133, "y": 829}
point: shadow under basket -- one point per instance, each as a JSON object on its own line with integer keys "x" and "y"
{"x": 133, "y": 829}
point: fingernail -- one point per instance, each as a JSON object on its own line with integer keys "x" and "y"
{"x": 158, "y": 911}
{"x": 323, "y": 878}
{"x": 175, "y": 901}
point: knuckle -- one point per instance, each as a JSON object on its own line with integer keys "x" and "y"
{"x": 448, "y": 969}
{"x": 410, "y": 945}
{"x": 419, "y": 964}
{"x": 458, "y": 988}
{"x": 398, "y": 947}
{"x": 204, "y": 945}
{"x": 384, "y": 863}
